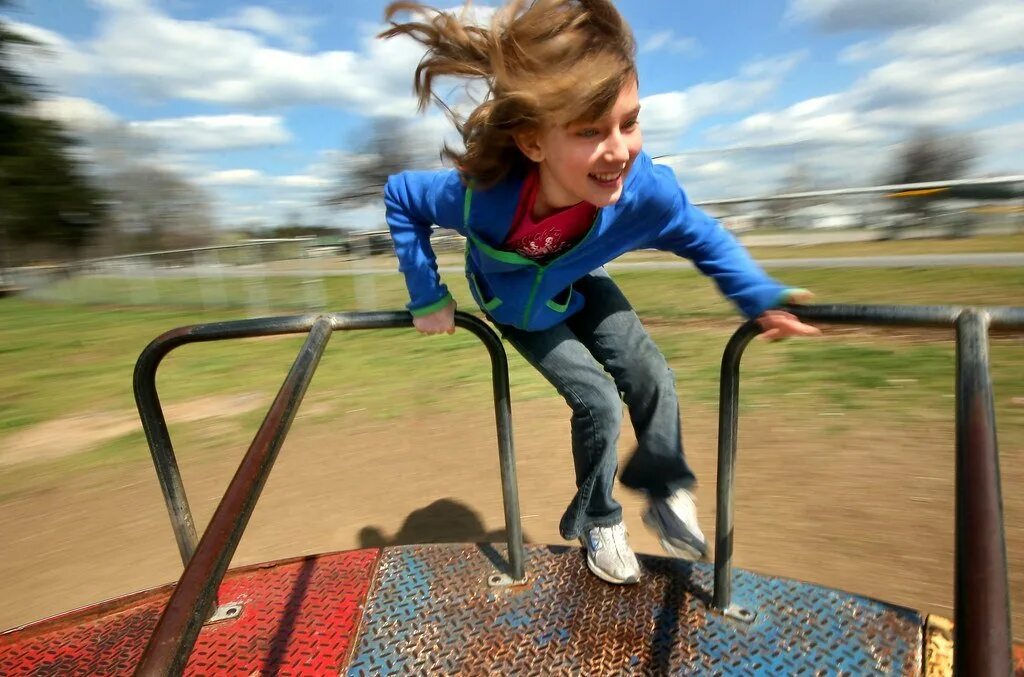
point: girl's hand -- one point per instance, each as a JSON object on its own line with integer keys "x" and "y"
{"x": 438, "y": 322}
{"x": 778, "y": 324}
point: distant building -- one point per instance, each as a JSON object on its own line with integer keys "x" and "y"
{"x": 826, "y": 215}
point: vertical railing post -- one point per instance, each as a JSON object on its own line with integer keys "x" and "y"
{"x": 728, "y": 416}
{"x": 981, "y": 598}
{"x": 154, "y": 424}
{"x": 506, "y": 452}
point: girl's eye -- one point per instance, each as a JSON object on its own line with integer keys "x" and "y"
{"x": 587, "y": 133}
{"x": 631, "y": 124}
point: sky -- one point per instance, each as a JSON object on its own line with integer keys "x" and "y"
{"x": 260, "y": 103}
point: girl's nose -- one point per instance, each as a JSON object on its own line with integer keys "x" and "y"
{"x": 615, "y": 149}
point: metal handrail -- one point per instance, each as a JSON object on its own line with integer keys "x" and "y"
{"x": 982, "y": 638}
{"x": 207, "y": 562}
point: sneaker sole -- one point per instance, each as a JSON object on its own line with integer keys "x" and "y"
{"x": 607, "y": 577}
{"x": 676, "y": 549}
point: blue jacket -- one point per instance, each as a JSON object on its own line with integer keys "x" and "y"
{"x": 653, "y": 212}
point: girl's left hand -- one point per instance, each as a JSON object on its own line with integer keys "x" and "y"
{"x": 778, "y": 324}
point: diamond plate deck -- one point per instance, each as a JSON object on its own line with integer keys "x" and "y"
{"x": 299, "y": 618}
{"x": 431, "y": 612}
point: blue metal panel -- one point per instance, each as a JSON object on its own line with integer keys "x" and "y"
{"x": 432, "y": 612}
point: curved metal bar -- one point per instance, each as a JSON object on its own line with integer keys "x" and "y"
{"x": 175, "y": 634}
{"x": 1000, "y": 317}
{"x": 981, "y": 598}
{"x": 506, "y": 452}
{"x": 982, "y": 606}
{"x": 155, "y": 426}
{"x": 728, "y": 420}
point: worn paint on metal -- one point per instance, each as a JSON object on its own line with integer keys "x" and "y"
{"x": 938, "y": 647}
{"x": 299, "y": 618}
{"x": 432, "y": 612}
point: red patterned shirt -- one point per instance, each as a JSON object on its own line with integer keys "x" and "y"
{"x": 556, "y": 233}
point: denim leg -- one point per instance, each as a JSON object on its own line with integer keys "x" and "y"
{"x": 612, "y": 332}
{"x": 596, "y": 421}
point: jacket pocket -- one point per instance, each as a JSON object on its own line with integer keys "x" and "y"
{"x": 478, "y": 294}
{"x": 560, "y": 302}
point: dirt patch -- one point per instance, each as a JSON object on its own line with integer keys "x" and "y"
{"x": 82, "y": 432}
{"x": 867, "y": 509}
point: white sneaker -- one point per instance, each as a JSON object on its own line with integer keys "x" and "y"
{"x": 609, "y": 556}
{"x": 674, "y": 518}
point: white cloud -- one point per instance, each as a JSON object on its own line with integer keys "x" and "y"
{"x": 667, "y": 41}
{"x": 995, "y": 28}
{"x": 937, "y": 91}
{"x": 1002, "y": 148}
{"x": 289, "y": 30}
{"x": 821, "y": 120}
{"x": 254, "y": 177}
{"x": 847, "y": 15}
{"x": 204, "y": 62}
{"x": 76, "y": 114}
{"x": 302, "y": 181}
{"x": 667, "y": 115}
{"x": 54, "y": 59}
{"x": 233, "y": 177}
{"x": 216, "y": 132}
{"x": 948, "y": 75}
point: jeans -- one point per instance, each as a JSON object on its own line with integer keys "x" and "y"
{"x": 606, "y": 339}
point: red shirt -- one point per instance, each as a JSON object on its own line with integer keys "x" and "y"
{"x": 558, "y": 232}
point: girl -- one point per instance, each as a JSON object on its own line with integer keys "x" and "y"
{"x": 551, "y": 185}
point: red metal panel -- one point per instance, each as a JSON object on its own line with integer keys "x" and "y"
{"x": 299, "y": 618}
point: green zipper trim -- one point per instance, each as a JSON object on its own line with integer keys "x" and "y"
{"x": 560, "y": 307}
{"x": 488, "y": 305}
{"x": 533, "y": 296}
{"x": 497, "y": 254}
{"x": 512, "y": 257}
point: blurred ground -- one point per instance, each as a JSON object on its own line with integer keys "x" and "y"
{"x": 868, "y": 511}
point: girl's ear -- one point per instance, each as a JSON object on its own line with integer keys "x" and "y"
{"x": 528, "y": 141}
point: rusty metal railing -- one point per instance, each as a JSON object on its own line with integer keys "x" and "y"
{"x": 982, "y": 638}
{"x": 206, "y": 562}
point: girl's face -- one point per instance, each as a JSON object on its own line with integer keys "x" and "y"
{"x": 586, "y": 161}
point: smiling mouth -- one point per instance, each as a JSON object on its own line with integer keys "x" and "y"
{"x": 608, "y": 178}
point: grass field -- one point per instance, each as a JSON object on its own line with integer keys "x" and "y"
{"x": 60, "y": 360}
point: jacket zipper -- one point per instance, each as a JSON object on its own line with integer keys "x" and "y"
{"x": 541, "y": 269}
{"x": 533, "y": 295}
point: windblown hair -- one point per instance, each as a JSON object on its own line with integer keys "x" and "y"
{"x": 541, "y": 62}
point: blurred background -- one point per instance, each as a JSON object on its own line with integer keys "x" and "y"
{"x": 169, "y": 162}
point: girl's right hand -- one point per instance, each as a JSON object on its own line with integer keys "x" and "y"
{"x": 438, "y": 322}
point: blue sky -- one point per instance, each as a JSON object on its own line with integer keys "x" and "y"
{"x": 261, "y": 102}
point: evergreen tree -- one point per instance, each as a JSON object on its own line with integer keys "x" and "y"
{"x": 45, "y": 196}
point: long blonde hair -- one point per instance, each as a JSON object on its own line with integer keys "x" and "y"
{"x": 541, "y": 61}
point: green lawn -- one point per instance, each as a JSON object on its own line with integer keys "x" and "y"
{"x": 57, "y": 360}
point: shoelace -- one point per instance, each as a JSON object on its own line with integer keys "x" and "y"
{"x": 618, "y": 541}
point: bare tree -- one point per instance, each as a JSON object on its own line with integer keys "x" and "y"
{"x": 155, "y": 208}
{"x": 390, "y": 146}
{"x": 931, "y": 156}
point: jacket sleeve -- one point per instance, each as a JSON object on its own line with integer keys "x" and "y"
{"x": 414, "y": 201}
{"x": 684, "y": 229}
